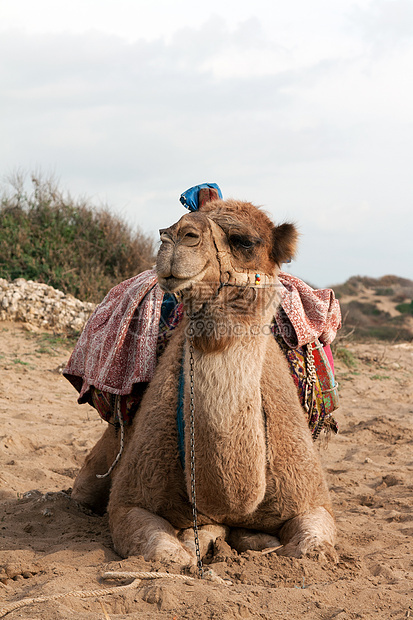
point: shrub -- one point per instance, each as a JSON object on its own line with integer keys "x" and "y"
{"x": 387, "y": 332}
{"x": 406, "y": 308}
{"x": 384, "y": 292}
{"x": 368, "y": 309}
{"x": 346, "y": 356}
{"x": 69, "y": 244}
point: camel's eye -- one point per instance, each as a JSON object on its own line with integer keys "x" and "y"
{"x": 190, "y": 238}
{"x": 242, "y": 242}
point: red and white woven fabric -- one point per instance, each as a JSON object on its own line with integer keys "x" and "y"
{"x": 117, "y": 348}
{"x": 306, "y": 313}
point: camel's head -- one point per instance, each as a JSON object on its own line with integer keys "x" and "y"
{"x": 225, "y": 242}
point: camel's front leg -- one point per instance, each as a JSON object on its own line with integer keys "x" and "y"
{"x": 312, "y": 531}
{"x": 136, "y": 531}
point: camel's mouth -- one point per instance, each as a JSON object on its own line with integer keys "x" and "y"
{"x": 174, "y": 283}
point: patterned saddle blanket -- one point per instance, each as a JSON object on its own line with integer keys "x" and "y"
{"x": 117, "y": 351}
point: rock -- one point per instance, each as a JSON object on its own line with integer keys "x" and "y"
{"x": 222, "y": 550}
{"x": 161, "y": 596}
{"x": 391, "y": 480}
{"x": 38, "y": 305}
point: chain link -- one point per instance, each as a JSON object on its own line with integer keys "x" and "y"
{"x": 311, "y": 379}
{"x": 192, "y": 454}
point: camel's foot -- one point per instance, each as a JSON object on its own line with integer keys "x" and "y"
{"x": 243, "y": 540}
{"x": 309, "y": 534}
{"x": 310, "y": 548}
{"x": 136, "y": 531}
{"x": 167, "y": 549}
{"x": 207, "y": 535}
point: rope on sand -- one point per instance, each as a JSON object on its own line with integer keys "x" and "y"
{"x": 76, "y": 593}
{"x": 140, "y": 575}
{"x": 208, "y": 576}
{"x": 137, "y": 577}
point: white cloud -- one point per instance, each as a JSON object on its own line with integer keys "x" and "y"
{"x": 385, "y": 23}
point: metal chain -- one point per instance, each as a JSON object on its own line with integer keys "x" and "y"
{"x": 311, "y": 378}
{"x": 192, "y": 456}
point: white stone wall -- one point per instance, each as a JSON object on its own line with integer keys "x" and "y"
{"x": 40, "y": 305}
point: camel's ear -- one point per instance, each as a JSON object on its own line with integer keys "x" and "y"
{"x": 284, "y": 243}
{"x": 207, "y": 194}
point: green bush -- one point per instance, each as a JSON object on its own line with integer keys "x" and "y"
{"x": 384, "y": 292}
{"x": 69, "y": 244}
{"x": 367, "y": 309}
{"x": 386, "y": 332}
{"x": 406, "y": 308}
{"x": 345, "y": 356}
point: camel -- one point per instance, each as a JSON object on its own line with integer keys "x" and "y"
{"x": 248, "y": 451}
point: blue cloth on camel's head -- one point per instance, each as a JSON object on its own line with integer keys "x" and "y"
{"x": 190, "y": 198}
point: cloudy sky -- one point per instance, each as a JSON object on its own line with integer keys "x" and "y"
{"x": 305, "y": 108}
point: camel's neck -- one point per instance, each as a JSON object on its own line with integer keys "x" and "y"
{"x": 230, "y": 454}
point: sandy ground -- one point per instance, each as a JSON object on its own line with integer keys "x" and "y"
{"x": 50, "y": 546}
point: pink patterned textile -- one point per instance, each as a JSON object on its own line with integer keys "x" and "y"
{"x": 117, "y": 348}
{"x": 306, "y": 314}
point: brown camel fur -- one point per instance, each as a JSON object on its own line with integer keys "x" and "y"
{"x": 258, "y": 475}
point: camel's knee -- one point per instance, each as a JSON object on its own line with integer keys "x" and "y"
{"x": 89, "y": 490}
